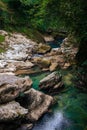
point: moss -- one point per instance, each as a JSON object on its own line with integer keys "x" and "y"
{"x": 2, "y": 38}
{"x": 68, "y": 79}
{"x": 2, "y": 50}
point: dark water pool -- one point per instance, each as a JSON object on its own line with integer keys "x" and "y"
{"x": 55, "y": 43}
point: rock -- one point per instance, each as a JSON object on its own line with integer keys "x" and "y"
{"x": 20, "y": 65}
{"x": 56, "y": 51}
{"x": 69, "y": 49}
{"x": 26, "y": 71}
{"x": 11, "y": 111}
{"x": 11, "y": 86}
{"x": 38, "y": 104}
{"x": 43, "y": 48}
{"x": 2, "y": 64}
{"x": 4, "y": 33}
{"x": 42, "y": 62}
{"x": 6, "y": 73}
{"x": 20, "y": 47}
{"x": 26, "y": 127}
{"x": 14, "y": 66}
{"x": 66, "y": 66}
{"x": 52, "y": 83}
{"x": 53, "y": 66}
{"x": 48, "y": 38}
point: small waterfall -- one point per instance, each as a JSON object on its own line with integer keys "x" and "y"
{"x": 54, "y": 121}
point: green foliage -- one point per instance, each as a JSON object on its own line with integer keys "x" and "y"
{"x": 3, "y": 6}
{"x": 2, "y": 38}
{"x": 46, "y": 15}
{"x": 74, "y": 15}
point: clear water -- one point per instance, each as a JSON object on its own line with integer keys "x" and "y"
{"x": 70, "y": 112}
{"x": 55, "y": 44}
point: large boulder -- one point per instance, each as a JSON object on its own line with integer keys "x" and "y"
{"x": 11, "y": 111}
{"x": 52, "y": 83}
{"x": 37, "y": 103}
{"x": 11, "y": 86}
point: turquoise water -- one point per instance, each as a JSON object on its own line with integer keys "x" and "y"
{"x": 70, "y": 111}
{"x": 55, "y": 44}
{"x": 37, "y": 77}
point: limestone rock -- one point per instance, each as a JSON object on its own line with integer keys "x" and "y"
{"x": 52, "y": 83}
{"x": 43, "y": 48}
{"x": 4, "y": 33}
{"x": 53, "y": 66}
{"x": 11, "y": 86}
{"x": 42, "y": 62}
{"x": 38, "y": 104}
{"x": 11, "y": 111}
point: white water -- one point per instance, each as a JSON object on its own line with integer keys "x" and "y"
{"x": 55, "y": 121}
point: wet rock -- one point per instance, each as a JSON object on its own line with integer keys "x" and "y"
{"x": 52, "y": 83}
{"x": 11, "y": 111}
{"x": 38, "y": 104}
{"x": 11, "y": 86}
